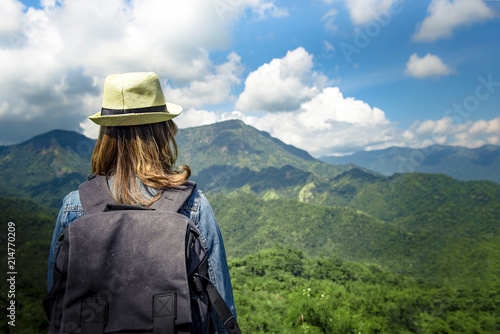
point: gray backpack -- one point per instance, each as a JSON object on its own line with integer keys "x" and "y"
{"x": 130, "y": 269}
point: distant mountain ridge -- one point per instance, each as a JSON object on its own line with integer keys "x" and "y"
{"x": 462, "y": 163}
{"x": 233, "y": 143}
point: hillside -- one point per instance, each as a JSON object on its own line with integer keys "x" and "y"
{"x": 45, "y": 168}
{"x": 429, "y": 219}
{"x": 439, "y": 246}
{"x": 279, "y": 290}
{"x": 286, "y": 182}
{"x": 34, "y": 225}
{"x": 462, "y": 163}
{"x": 236, "y": 145}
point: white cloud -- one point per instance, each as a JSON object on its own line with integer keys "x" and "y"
{"x": 325, "y": 124}
{"x": 59, "y": 55}
{"x": 89, "y": 129}
{"x": 493, "y": 140}
{"x": 426, "y": 67}
{"x": 231, "y": 9}
{"x": 363, "y": 11}
{"x": 330, "y": 124}
{"x": 445, "y": 131}
{"x": 430, "y": 127}
{"x": 482, "y": 127}
{"x": 281, "y": 85}
{"x": 151, "y": 34}
{"x": 265, "y": 9}
{"x": 11, "y": 13}
{"x": 193, "y": 117}
{"x": 213, "y": 88}
{"x": 445, "y": 16}
{"x": 331, "y": 106}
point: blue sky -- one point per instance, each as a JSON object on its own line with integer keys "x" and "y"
{"x": 329, "y": 76}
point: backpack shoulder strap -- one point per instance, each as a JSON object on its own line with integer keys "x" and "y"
{"x": 201, "y": 282}
{"x": 172, "y": 199}
{"x": 95, "y": 194}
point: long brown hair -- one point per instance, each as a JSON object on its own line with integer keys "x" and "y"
{"x": 147, "y": 152}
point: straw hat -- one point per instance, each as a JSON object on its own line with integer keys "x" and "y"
{"x": 134, "y": 99}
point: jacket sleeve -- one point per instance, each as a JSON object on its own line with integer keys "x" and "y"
{"x": 54, "y": 245}
{"x": 70, "y": 210}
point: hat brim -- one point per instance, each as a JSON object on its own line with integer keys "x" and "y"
{"x": 137, "y": 118}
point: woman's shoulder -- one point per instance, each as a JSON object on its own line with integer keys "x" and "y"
{"x": 71, "y": 202}
{"x": 196, "y": 206}
{"x": 193, "y": 202}
{"x": 71, "y": 209}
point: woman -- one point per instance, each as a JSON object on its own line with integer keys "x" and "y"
{"x": 136, "y": 150}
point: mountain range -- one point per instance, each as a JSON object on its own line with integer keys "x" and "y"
{"x": 229, "y": 157}
{"x": 461, "y": 163}
{"x": 235, "y": 163}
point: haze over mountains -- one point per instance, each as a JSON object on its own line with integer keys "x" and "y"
{"x": 462, "y": 163}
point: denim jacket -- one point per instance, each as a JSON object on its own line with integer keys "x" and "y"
{"x": 197, "y": 208}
